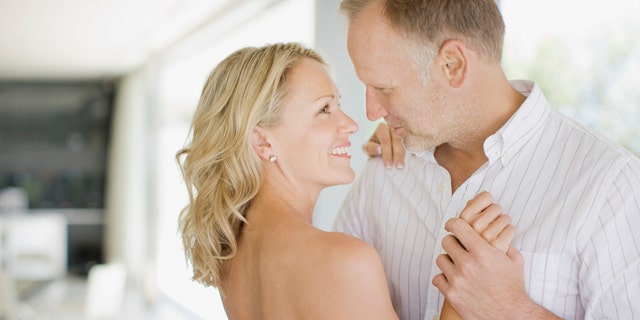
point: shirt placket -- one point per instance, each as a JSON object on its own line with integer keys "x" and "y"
{"x": 451, "y": 207}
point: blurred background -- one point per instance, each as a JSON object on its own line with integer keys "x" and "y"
{"x": 96, "y": 97}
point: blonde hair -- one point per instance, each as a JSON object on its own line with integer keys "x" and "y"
{"x": 432, "y": 22}
{"x": 220, "y": 167}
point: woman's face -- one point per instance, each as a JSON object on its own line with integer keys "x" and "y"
{"x": 311, "y": 140}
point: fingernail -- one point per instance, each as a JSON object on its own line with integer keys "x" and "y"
{"x": 379, "y": 150}
{"x": 400, "y": 165}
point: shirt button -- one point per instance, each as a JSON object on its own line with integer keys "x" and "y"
{"x": 436, "y": 317}
{"x": 441, "y": 188}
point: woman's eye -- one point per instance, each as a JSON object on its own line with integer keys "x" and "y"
{"x": 325, "y": 109}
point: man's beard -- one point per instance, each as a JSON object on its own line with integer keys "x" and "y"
{"x": 415, "y": 144}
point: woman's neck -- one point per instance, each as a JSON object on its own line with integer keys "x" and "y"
{"x": 281, "y": 200}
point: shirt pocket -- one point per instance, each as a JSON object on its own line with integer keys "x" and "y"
{"x": 552, "y": 281}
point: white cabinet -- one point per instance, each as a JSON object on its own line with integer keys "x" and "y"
{"x": 34, "y": 245}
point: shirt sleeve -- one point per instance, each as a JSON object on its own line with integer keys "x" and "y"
{"x": 352, "y": 217}
{"x": 610, "y": 272}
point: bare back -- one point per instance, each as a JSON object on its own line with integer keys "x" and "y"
{"x": 288, "y": 269}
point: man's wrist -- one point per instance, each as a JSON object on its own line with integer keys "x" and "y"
{"x": 532, "y": 311}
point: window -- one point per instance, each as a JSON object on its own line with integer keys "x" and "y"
{"x": 179, "y": 82}
{"x": 584, "y": 55}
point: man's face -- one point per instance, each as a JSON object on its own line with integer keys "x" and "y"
{"x": 385, "y": 62}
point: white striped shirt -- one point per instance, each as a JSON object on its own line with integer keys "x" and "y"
{"x": 573, "y": 196}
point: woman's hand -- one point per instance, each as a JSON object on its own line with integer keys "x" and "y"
{"x": 387, "y": 144}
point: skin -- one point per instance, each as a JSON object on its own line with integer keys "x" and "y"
{"x": 285, "y": 268}
{"x": 312, "y": 125}
{"x": 466, "y": 100}
{"x": 387, "y": 145}
{"x": 492, "y": 225}
{"x": 454, "y": 112}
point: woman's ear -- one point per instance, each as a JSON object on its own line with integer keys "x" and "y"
{"x": 260, "y": 143}
{"x": 454, "y": 61}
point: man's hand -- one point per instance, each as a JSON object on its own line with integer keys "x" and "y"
{"x": 478, "y": 278}
{"x": 486, "y": 218}
{"x": 387, "y": 144}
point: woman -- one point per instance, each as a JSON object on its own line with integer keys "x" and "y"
{"x": 268, "y": 136}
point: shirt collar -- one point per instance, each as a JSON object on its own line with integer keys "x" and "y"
{"x": 521, "y": 127}
{"x": 517, "y": 131}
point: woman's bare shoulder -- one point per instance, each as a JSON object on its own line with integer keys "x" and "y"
{"x": 342, "y": 248}
{"x": 350, "y": 274}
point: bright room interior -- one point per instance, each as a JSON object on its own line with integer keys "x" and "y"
{"x": 96, "y": 98}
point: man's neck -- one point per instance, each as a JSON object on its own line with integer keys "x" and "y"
{"x": 460, "y": 164}
{"x": 498, "y": 103}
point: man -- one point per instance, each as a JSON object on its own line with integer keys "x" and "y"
{"x": 432, "y": 71}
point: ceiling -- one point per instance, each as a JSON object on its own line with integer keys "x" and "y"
{"x": 78, "y": 39}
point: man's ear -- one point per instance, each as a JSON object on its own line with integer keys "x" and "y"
{"x": 453, "y": 55}
{"x": 260, "y": 143}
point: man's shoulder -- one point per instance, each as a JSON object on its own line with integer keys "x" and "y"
{"x": 604, "y": 148}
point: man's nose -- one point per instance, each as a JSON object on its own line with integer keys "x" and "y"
{"x": 375, "y": 110}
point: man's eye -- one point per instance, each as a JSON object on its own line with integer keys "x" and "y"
{"x": 383, "y": 90}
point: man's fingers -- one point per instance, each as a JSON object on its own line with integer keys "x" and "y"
{"x": 452, "y": 246}
{"x": 515, "y": 255}
{"x": 447, "y": 266}
{"x": 440, "y": 282}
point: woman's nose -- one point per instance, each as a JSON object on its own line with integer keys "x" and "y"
{"x": 349, "y": 126}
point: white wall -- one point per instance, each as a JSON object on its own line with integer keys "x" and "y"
{"x": 330, "y": 34}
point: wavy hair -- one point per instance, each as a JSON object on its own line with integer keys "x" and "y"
{"x": 222, "y": 171}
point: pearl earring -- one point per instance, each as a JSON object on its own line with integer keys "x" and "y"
{"x": 273, "y": 158}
